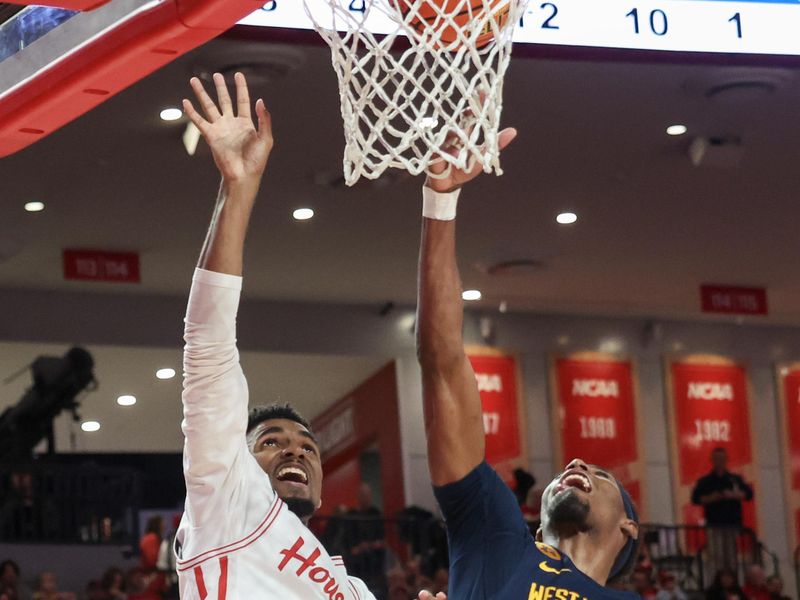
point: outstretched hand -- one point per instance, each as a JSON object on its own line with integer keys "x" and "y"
{"x": 458, "y": 177}
{"x": 426, "y": 595}
{"x": 240, "y": 149}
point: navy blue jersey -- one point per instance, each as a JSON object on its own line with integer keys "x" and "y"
{"x": 493, "y": 555}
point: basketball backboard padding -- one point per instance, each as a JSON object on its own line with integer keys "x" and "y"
{"x": 68, "y": 4}
{"x": 110, "y": 63}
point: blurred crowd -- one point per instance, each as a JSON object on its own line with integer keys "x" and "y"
{"x": 395, "y": 556}
{"x": 726, "y": 585}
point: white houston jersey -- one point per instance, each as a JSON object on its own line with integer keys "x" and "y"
{"x": 237, "y": 540}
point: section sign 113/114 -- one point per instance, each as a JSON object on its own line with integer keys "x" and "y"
{"x": 718, "y": 26}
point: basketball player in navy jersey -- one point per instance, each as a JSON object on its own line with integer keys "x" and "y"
{"x": 589, "y": 524}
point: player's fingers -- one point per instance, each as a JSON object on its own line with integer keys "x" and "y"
{"x": 505, "y": 137}
{"x": 212, "y": 113}
{"x": 441, "y": 596}
{"x": 223, "y": 97}
{"x": 194, "y": 116}
{"x": 264, "y": 120}
{"x": 242, "y": 96}
{"x": 424, "y": 595}
{"x": 452, "y": 145}
{"x": 471, "y": 173}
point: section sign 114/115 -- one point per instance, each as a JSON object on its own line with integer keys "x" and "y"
{"x": 718, "y": 26}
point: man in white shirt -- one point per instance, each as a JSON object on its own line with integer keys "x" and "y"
{"x": 251, "y": 485}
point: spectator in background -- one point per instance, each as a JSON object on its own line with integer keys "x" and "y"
{"x": 367, "y": 544}
{"x": 644, "y": 562}
{"x": 425, "y": 537}
{"x": 643, "y": 585}
{"x": 150, "y": 543}
{"x": 142, "y": 585}
{"x": 523, "y": 483}
{"x": 47, "y": 588}
{"x": 775, "y": 588}
{"x": 755, "y": 583}
{"x": 112, "y": 585}
{"x": 94, "y": 591}
{"x": 167, "y": 562}
{"x": 531, "y": 510}
{"x": 334, "y": 537}
{"x": 670, "y": 590}
{"x": 725, "y": 587}
{"x": 441, "y": 580}
{"x": 19, "y": 514}
{"x": 721, "y": 493}
{"x": 397, "y": 585}
{"x": 10, "y": 579}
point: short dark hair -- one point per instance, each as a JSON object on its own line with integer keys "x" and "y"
{"x": 627, "y": 558}
{"x": 154, "y": 525}
{"x": 259, "y": 414}
{"x": 9, "y": 563}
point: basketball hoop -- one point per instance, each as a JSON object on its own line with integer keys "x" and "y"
{"x": 415, "y": 75}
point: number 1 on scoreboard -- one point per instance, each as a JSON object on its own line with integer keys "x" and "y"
{"x": 737, "y": 19}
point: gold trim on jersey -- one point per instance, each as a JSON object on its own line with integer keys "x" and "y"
{"x": 548, "y": 551}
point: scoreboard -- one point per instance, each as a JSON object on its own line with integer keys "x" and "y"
{"x": 767, "y": 27}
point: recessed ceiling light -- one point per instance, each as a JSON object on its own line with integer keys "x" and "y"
{"x": 407, "y": 322}
{"x": 171, "y": 114}
{"x": 611, "y": 345}
{"x": 34, "y": 206}
{"x": 90, "y": 426}
{"x": 126, "y": 400}
{"x": 676, "y": 129}
{"x": 566, "y": 218}
{"x": 165, "y": 373}
{"x": 471, "y": 295}
{"x": 303, "y": 214}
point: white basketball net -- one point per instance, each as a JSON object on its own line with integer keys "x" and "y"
{"x": 421, "y": 82}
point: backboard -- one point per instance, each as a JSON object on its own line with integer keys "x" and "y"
{"x": 57, "y": 63}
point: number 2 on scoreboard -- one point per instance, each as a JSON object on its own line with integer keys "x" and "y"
{"x": 551, "y": 10}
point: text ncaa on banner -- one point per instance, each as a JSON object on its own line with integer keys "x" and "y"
{"x": 503, "y": 416}
{"x": 789, "y": 385}
{"x": 709, "y": 408}
{"x": 596, "y": 416}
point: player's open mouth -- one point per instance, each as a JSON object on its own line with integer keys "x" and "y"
{"x": 292, "y": 473}
{"x": 574, "y": 479}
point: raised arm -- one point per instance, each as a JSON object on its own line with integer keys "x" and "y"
{"x": 240, "y": 152}
{"x": 452, "y": 404}
{"x": 215, "y": 391}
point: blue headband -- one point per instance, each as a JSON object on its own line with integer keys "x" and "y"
{"x": 625, "y": 554}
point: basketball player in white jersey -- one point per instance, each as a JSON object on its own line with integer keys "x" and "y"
{"x": 251, "y": 486}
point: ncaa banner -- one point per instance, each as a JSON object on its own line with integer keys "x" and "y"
{"x": 503, "y": 413}
{"x": 596, "y": 416}
{"x": 789, "y": 392}
{"x": 709, "y": 407}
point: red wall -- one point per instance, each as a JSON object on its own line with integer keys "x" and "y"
{"x": 340, "y": 486}
{"x": 375, "y": 419}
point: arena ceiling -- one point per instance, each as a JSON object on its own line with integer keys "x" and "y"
{"x": 651, "y": 229}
